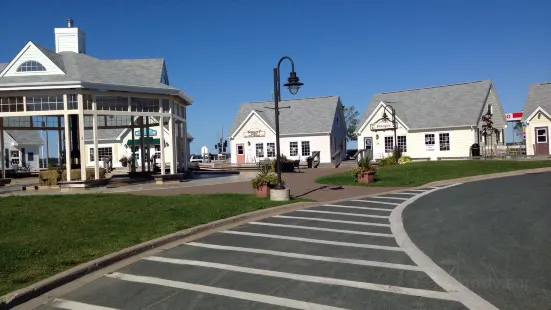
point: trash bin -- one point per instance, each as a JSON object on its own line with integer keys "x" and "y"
{"x": 475, "y": 150}
{"x": 310, "y": 160}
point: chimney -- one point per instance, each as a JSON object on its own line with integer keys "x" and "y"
{"x": 70, "y": 39}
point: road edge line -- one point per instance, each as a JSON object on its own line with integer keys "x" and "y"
{"x": 435, "y": 272}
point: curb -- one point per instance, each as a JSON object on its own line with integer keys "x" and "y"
{"x": 35, "y": 290}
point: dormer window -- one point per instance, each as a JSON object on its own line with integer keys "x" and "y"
{"x": 31, "y": 66}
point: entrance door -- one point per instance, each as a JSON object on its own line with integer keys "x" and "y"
{"x": 368, "y": 146}
{"x": 542, "y": 141}
{"x": 240, "y": 153}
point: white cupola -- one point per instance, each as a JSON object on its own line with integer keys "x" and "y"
{"x": 70, "y": 39}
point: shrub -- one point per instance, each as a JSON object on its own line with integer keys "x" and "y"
{"x": 286, "y": 164}
{"x": 405, "y": 160}
{"x": 48, "y": 177}
{"x": 53, "y": 176}
{"x": 364, "y": 165}
{"x": 266, "y": 177}
{"x": 387, "y": 161}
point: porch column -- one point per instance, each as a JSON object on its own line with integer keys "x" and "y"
{"x": 148, "y": 144}
{"x": 162, "y": 142}
{"x": 186, "y": 146}
{"x": 2, "y": 147}
{"x": 82, "y": 148}
{"x": 179, "y": 143}
{"x": 172, "y": 139}
{"x": 67, "y": 139}
{"x": 95, "y": 138}
{"x": 59, "y": 141}
{"x": 142, "y": 155}
{"x": 132, "y": 147}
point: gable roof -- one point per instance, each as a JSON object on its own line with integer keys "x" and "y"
{"x": 304, "y": 116}
{"x": 82, "y": 68}
{"x": 539, "y": 95}
{"x": 25, "y": 136}
{"x": 435, "y": 107}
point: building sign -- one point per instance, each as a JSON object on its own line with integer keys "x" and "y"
{"x": 254, "y": 133}
{"x": 382, "y": 125}
{"x": 151, "y": 132}
{"x": 512, "y": 117}
{"x": 430, "y": 148}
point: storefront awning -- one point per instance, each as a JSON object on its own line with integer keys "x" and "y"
{"x": 138, "y": 141}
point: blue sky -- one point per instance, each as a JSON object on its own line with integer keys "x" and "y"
{"x": 221, "y": 52}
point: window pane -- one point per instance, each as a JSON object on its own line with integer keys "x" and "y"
{"x": 305, "y": 148}
{"x": 444, "y": 139}
{"x": 429, "y": 139}
{"x": 240, "y": 150}
{"x": 293, "y": 148}
{"x": 402, "y": 143}
{"x": 270, "y": 149}
{"x": 389, "y": 144}
{"x": 260, "y": 150}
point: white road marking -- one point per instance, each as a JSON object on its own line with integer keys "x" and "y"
{"x": 278, "y": 301}
{"x": 345, "y": 213}
{"x": 374, "y": 201}
{"x": 387, "y": 197}
{"x": 417, "y": 190}
{"x": 352, "y": 232}
{"x": 73, "y": 305}
{"x": 331, "y": 221}
{"x": 318, "y": 241}
{"x": 310, "y": 257}
{"x": 437, "y": 274}
{"x": 413, "y": 194}
{"x": 360, "y": 208}
{"x": 312, "y": 279}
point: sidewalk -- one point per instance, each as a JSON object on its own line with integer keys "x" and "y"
{"x": 302, "y": 185}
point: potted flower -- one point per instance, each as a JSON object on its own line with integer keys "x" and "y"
{"x": 365, "y": 172}
{"x": 264, "y": 181}
{"x": 124, "y": 161}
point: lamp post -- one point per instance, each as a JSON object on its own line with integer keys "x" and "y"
{"x": 392, "y": 112}
{"x": 294, "y": 85}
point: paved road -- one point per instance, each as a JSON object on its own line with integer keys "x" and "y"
{"x": 493, "y": 236}
{"x": 341, "y": 256}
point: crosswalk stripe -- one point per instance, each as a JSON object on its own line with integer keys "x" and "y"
{"x": 278, "y": 301}
{"x": 74, "y": 305}
{"x": 345, "y": 213}
{"x": 352, "y": 232}
{"x": 359, "y": 208}
{"x": 310, "y": 257}
{"x": 317, "y": 241}
{"x": 330, "y": 221}
{"x": 375, "y": 201}
{"x": 388, "y": 197}
{"x": 311, "y": 279}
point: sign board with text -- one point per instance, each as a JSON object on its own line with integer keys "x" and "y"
{"x": 513, "y": 117}
{"x": 253, "y": 133}
{"x": 382, "y": 125}
{"x": 151, "y": 132}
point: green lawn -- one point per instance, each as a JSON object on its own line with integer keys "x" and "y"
{"x": 416, "y": 174}
{"x": 43, "y": 235}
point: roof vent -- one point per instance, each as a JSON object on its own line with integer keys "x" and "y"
{"x": 70, "y": 23}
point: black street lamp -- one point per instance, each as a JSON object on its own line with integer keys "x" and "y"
{"x": 294, "y": 85}
{"x": 392, "y": 112}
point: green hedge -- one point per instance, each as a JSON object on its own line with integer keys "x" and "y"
{"x": 53, "y": 176}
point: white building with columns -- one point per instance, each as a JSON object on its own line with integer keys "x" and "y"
{"x": 75, "y": 94}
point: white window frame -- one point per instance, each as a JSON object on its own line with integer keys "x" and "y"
{"x": 440, "y": 144}
{"x": 268, "y": 149}
{"x": 256, "y": 149}
{"x": 92, "y": 155}
{"x": 392, "y": 146}
{"x": 291, "y": 148}
{"x": 302, "y": 148}
{"x": 433, "y": 139}
{"x": 404, "y": 148}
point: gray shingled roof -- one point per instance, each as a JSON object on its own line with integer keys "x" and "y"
{"x": 434, "y": 107}
{"x": 25, "y": 136}
{"x": 305, "y": 116}
{"x": 84, "y": 68}
{"x": 539, "y": 95}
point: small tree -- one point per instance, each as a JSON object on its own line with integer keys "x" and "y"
{"x": 517, "y": 130}
{"x": 488, "y": 131}
{"x": 351, "y": 118}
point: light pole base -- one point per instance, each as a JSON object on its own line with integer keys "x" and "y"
{"x": 280, "y": 194}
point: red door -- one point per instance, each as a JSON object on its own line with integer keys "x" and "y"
{"x": 240, "y": 153}
{"x": 542, "y": 141}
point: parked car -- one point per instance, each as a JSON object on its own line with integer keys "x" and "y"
{"x": 196, "y": 159}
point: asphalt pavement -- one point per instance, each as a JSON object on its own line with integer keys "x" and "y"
{"x": 340, "y": 256}
{"x": 493, "y": 236}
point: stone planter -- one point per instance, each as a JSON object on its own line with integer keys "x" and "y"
{"x": 367, "y": 177}
{"x": 263, "y": 191}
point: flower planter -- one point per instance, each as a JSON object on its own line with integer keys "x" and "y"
{"x": 367, "y": 177}
{"x": 263, "y": 191}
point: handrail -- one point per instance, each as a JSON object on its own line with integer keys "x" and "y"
{"x": 357, "y": 153}
{"x": 313, "y": 156}
{"x": 336, "y": 158}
